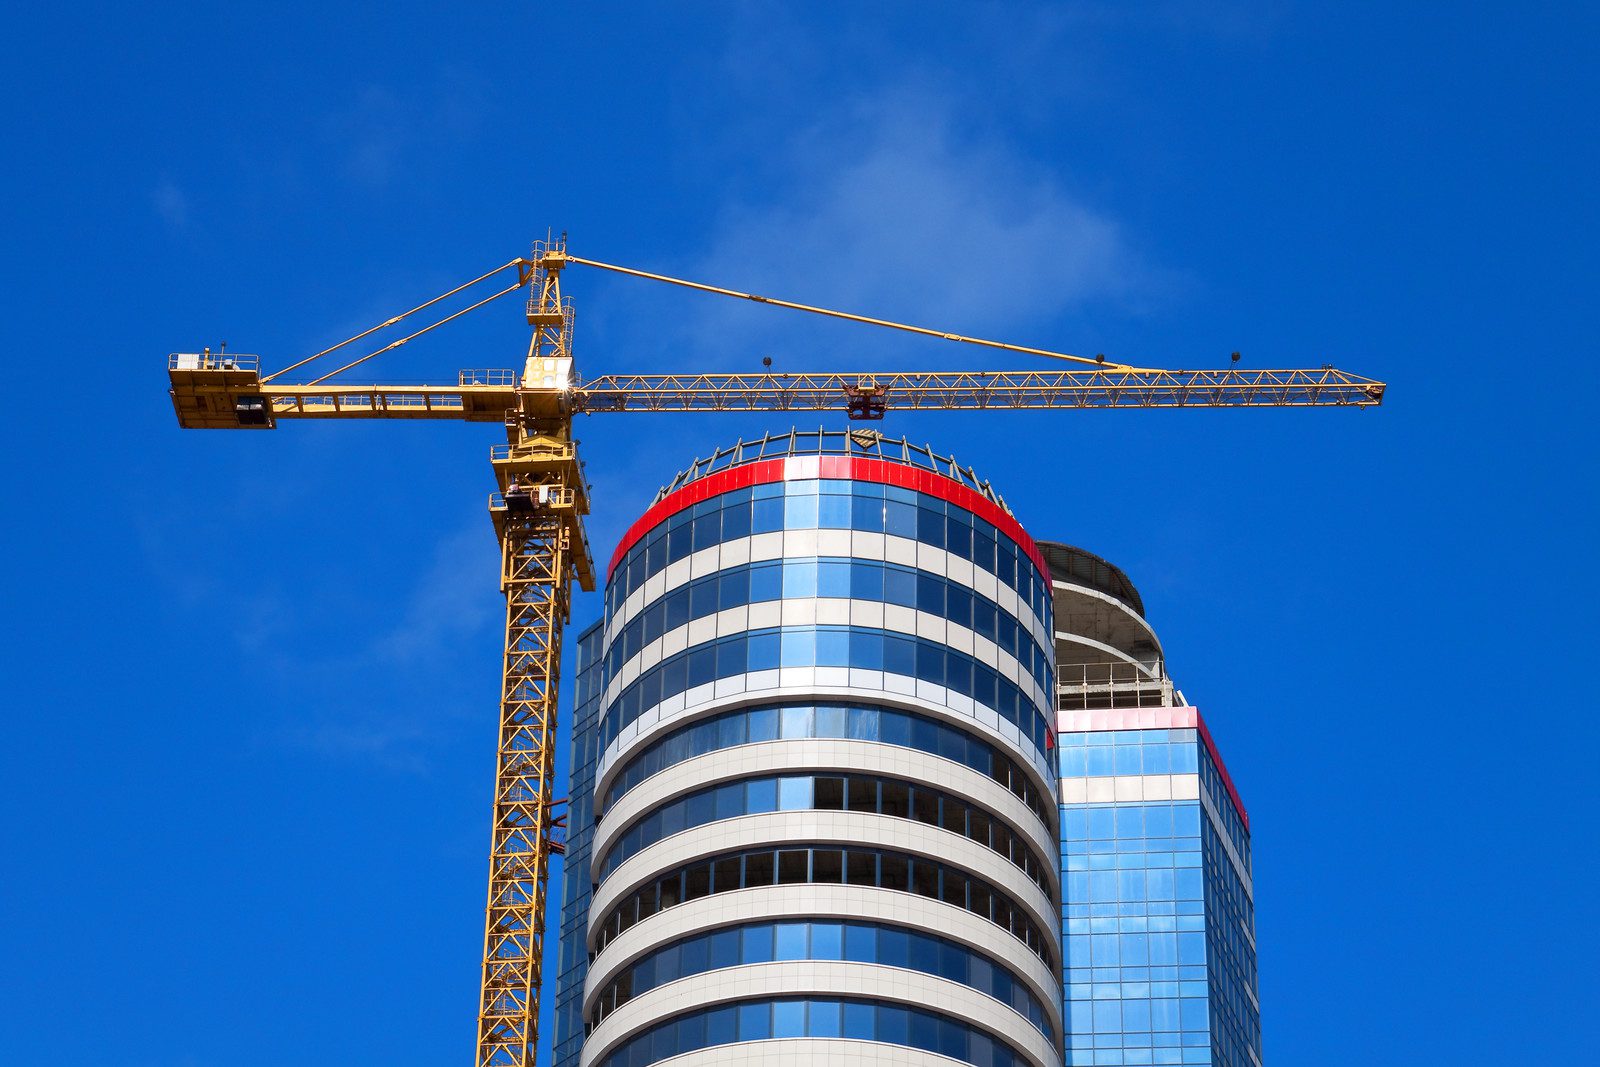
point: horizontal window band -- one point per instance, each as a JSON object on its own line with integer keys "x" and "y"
{"x": 863, "y": 794}
{"x": 825, "y": 1017}
{"x": 813, "y": 578}
{"x": 867, "y": 649}
{"x": 850, "y": 941}
{"x": 866, "y": 867}
{"x": 790, "y": 721}
{"x": 931, "y": 517}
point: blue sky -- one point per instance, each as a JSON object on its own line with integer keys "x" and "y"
{"x": 250, "y": 739}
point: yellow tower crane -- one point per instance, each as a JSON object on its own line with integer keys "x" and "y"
{"x": 542, "y": 498}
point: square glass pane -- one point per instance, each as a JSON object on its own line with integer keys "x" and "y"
{"x": 694, "y": 956}
{"x": 701, "y": 808}
{"x": 895, "y": 872}
{"x": 858, "y": 1021}
{"x": 793, "y": 866}
{"x": 755, "y": 1021}
{"x": 758, "y": 869}
{"x": 860, "y": 943}
{"x": 924, "y": 879}
{"x": 827, "y": 941}
{"x": 766, "y": 582}
{"x": 978, "y": 898}
{"x": 833, "y": 579}
{"x": 761, "y": 795}
{"x": 789, "y": 1016}
{"x": 832, "y": 721}
{"x": 725, "y": 873}
{"x": 861, "y": 868}
{"x": 954, "y": 889}
{"x": 894, "y": 947}
{"x": 830, "y": 794}
{"x": 721, "y": 1026}
{"x": 730, "y": 730}
{"x": 824, "y": 1018}
{"x": 953, "y": 816}
{"x": 791, "y": 941}
{"x": 729, "y": 801}
{"x": 796, "y": 722}
{"x": 827, "y": 865}
{"x": 894, "y": 1025}
{"x": 724, "y": 949}
{"x": 763, "y": 723}
{"x": 756, "y": 944}
{"x": 896, "y": 799}
{"x": 794, "y": 793}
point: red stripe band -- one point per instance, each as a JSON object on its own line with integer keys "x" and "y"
{"x": 803, "y": 468}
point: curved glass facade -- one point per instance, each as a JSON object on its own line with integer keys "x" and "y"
{"x": 853, "y": 722}
{"x": 852, "y": 942}
{"x": 861, "y": 647}
{"x": 864, "y": 580}
{"x": 830, "y": 504}
{"x": 894, "y": 606}
{"x": 791, "y": 1017}
{"x": 867, "y": 868}
{"x": 866, "y": 794}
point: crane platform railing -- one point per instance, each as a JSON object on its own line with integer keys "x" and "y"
{"x": 210, "y": 387}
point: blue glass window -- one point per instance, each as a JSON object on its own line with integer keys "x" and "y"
{"x": 836, "y": 578}
{"x": 926, "y": 660}
{"x": 817, "y": 1017}
{"x": 830, "y": 504}
{"x": 754, "y": 796}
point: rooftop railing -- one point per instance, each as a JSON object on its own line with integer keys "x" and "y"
{"x": 863, "y": 443}
{"x": 1092, "y": 686}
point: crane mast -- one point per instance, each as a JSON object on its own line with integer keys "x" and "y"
{"x": 542, "y": 498}
{"x": 538, "y": 518}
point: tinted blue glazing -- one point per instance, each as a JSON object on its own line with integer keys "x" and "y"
{"x": 806, "y": 792}
{"x": 865, "y": 580}
{"x": 791, "y": 1017}
{"x": 572, "y": 967}
{"x": 854, "y": 942}
{"x": 830, "y": 646}
{"x": 830, "y": 504}
{"x": 854, "y": 722}
{"x": 1230, "y": 932}
{"x": 1153, "y": 914}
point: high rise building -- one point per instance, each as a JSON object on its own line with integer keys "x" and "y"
{"x": 814, "y": 803}
{"x": 1157, "y": 901}
{"x": 816, "y": 808}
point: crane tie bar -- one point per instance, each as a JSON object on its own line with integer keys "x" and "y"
{"x": 704, "y": 288}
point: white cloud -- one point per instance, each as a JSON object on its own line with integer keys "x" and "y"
{"x": 453, "y": 604}
{"x": 171, "y": 204}
{"x": 892, "y": 209}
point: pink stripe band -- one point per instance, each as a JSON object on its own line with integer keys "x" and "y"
{"x": 1078, "y": 722}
